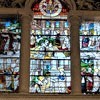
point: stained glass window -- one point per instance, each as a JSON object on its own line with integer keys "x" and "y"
{"x": 50, "y": 50}
{"x": 10, "y": 35}
{"x": 90, "y": 56}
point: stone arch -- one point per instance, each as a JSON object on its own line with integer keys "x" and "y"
{"x": 70, "y": 3}
{"x": 29, "y": 3}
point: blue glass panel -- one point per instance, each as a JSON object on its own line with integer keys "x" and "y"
{"x": 7, "y": 24}
{"x": 66, "y": 24}
{"x": 91, "y": 26}
{"x": 48, "y": 24}
{"x": 57, "y": 24}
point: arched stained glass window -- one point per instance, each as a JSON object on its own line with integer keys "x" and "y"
{"x": 50, "y": 48}
{"x": 90, "y": 56}
{"x": 10, "y": 35}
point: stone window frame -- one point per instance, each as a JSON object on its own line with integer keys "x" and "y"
{"x": 75, "y": 18}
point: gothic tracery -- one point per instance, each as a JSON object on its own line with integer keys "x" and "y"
{"x": 73, "y": 4}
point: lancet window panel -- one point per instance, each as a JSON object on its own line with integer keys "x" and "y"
{"x": 45, "y": 76}
{"x": 10, "y": 35}
{"x": 50, "y": 49}
{"x": 90, "y": 56}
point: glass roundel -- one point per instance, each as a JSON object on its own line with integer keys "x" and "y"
{"x": 50, "y": 7}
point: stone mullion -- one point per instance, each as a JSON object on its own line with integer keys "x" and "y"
{"x": 25, "y": 55}
{"x": 75, "y": 55}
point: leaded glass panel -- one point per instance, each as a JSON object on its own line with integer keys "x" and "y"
{"x": 49, "y": 60}
{"x": 50, "y": 49}
{"x": 10, "y": 35}
{"x": 90, "y": 56}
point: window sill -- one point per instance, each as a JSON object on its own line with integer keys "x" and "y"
{"x": 26, "y": 96}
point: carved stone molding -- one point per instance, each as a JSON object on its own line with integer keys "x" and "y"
{"x": 72, "y": 4}
{"x": 88, "y": 4}
{"x": 12, "y": 3}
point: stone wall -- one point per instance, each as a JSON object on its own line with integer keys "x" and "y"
{"x": 75, "y": 17}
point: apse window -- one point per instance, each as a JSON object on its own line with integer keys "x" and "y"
{"x": 50, "y": 48}
{"x": 90, "y": 57}
{"x": 10, "y": 35}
